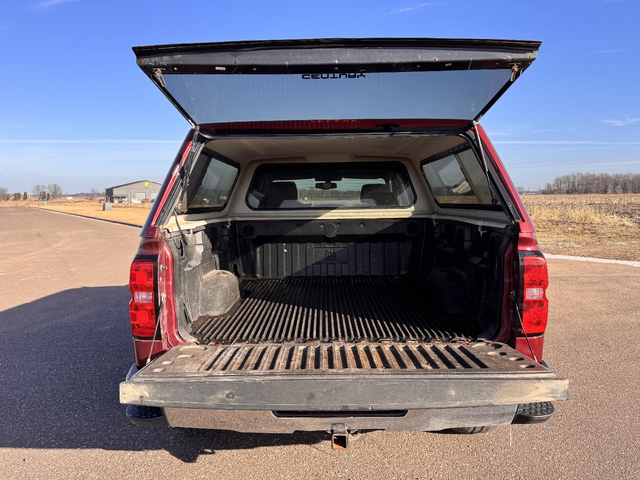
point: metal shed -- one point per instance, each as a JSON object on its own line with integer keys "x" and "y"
{"x": 134, "y": 191}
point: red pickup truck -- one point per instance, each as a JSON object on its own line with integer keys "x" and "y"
{"x": 337, "y": 245}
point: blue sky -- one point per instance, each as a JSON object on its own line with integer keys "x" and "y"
{"x": 76, "y": 110}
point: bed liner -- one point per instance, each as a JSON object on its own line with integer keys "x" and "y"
{"x": 347, "y": 309}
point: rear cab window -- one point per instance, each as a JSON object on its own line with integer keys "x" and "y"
{"x": 456, "y": 179}
{"x": 331, "y": 186}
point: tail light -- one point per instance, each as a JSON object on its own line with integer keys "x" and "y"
{"x": 142, "y": 308}
{"x": 535, "y": 280}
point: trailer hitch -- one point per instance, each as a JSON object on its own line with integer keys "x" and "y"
{"x": 341, "y": 436}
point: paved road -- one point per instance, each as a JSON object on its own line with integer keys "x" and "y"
{"x": 65, "y": 345}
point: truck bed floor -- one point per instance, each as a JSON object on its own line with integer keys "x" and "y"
{"x": 348, "y": 309}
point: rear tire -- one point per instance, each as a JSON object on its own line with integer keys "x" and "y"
{"x": 471, "y": 430}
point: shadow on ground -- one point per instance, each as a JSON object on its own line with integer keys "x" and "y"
{"x": 62, "y": 359}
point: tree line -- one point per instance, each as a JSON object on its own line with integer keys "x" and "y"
{"x": 42, "y": 192}
{"x": 594, "y": 183}
{"x": 46, "y": 192}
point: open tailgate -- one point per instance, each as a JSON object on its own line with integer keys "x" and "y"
{"x": 327, "y": 377}
{"x": 368, "y": 84}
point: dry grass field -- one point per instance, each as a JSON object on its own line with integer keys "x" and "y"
{"x": 135, "y": 213}
{"x": 603, "y": 226}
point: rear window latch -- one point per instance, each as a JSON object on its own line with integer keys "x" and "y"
{"x": 157, "y": 72}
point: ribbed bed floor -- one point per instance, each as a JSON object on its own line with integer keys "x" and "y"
{"x": 348, "y": 309}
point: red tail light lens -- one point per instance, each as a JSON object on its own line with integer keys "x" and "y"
{"x": 535, "y": 306}
{"x": 142, "y": 308}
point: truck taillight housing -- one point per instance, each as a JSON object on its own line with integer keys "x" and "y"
{"x": 535, "y": 306}
{"x": 142, "y": 308}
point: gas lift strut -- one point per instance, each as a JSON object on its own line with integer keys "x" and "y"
{"x": 185, "y": 171}
{"x": 495, "y": 193}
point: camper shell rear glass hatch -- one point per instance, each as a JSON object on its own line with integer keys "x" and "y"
{"x": 335, "y": 85}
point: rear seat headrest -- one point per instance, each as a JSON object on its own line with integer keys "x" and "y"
{"x": 278, "y": 192}
{"x": 372, "y": 188}
{"x": 379, "y": 193}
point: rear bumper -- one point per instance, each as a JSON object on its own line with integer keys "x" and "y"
{"x": 251, "y": 421}
{"x": 276, "y": 406}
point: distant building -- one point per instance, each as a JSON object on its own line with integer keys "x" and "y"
{"x": 133, "y": 192}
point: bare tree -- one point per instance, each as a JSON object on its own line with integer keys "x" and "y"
{"x": 54, "y": 190}
{"x": 4, "y": 193}
{"x": 39, "y": 191}
{"x": 94, "y": 193}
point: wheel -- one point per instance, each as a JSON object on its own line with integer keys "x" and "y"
{"x": 470, "y": 430}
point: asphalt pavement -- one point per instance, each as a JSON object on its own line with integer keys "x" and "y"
{"x": 65, "y": 345}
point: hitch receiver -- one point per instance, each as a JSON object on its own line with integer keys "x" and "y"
{"x": 340, "y": 436}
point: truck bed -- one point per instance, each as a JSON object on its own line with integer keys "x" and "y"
{"x": 346, "y": 309}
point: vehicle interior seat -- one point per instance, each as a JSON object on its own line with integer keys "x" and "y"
{"x": 377, "y": 194}
{"x": 281, "y": 194}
